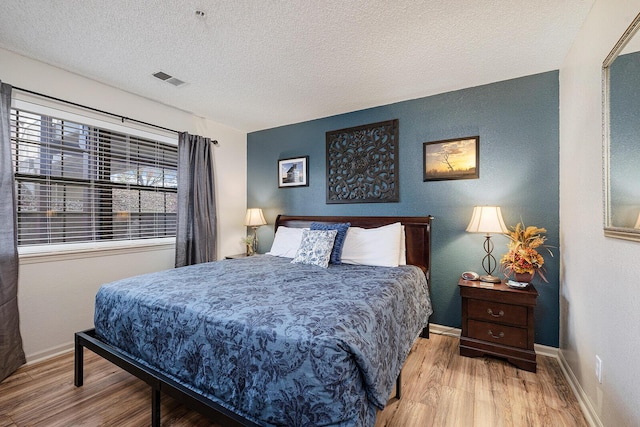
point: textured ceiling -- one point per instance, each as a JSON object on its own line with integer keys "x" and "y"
{"x": 256, "y": 64}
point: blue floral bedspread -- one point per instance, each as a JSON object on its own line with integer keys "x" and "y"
{"x": 276, "y": 342}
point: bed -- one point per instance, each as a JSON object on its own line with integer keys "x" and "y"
{"x": 263, "y": 341}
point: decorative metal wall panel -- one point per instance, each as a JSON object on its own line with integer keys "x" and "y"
{"x": 362, "y": 164}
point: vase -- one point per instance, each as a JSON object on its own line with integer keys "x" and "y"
{"x": 523, "y": 277}
{"x": 249, "y": 249}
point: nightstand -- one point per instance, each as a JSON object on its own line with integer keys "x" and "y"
{"x": 498, "y": 321}
{"x": 236, "y": 256}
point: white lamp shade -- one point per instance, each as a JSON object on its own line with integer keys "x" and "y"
{"x": 487, "y": 219}
{"x": 254, "y": 218}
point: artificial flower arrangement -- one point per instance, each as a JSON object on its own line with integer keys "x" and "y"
{"x": 523, "y": 256}
{"x": 248, "y": 243}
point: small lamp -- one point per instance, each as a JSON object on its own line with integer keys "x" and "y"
{"x": 254, "y": 219}
{"x": 487, "y": 219}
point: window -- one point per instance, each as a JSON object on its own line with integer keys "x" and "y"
{"x": 81, "y": 183}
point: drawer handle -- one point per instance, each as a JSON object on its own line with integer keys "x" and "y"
{"x": 500, "y": 313}
{"x": 500, "y": 335}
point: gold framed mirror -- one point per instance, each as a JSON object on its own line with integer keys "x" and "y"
{"x": 621, "y": 136}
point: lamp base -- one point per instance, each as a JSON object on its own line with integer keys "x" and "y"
{"x": 255, "y": 240}
{"x": 490, "y": 279}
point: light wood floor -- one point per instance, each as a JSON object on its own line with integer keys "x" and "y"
{"x": 440, "y": 388}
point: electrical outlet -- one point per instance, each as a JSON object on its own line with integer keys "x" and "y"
{"x": 599, "y": 369}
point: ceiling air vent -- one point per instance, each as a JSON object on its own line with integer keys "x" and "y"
{"x": 168, "y": 78}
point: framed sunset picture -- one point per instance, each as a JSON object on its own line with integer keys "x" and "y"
{"x": 451, "y": 159}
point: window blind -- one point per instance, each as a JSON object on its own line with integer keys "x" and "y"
{"x": 81, "y": 183}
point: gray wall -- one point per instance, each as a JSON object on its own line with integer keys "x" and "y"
{"x": 517, "y": 121}
{"x": 599, "y": 292}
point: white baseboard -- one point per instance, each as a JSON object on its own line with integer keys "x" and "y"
{"x": 587, "y": 409}
{"x": 444, "y": 330}
{"x": 49, "y": 353}
{"x": 543, "y": 350}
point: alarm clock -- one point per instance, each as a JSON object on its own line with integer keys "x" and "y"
{"x": 470, "y": 275}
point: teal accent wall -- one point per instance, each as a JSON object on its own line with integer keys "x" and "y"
{"x": 517, "y": 121}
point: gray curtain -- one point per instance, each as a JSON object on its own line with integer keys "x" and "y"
{"x": 196, "y": 228}
{"x": 11, "y": 352}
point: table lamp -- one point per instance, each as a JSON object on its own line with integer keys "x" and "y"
{"x": 487, "y": 219}
{"x": 254, "y": 219}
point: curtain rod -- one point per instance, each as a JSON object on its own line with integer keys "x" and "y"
{"x": 123, "y": 118}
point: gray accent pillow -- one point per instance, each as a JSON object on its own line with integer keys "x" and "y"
{"x": 315, "y": 248}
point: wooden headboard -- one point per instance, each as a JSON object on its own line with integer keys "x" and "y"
{"x": 417, "y": 232}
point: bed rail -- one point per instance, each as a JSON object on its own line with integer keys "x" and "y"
{"x": 159, "y": 382}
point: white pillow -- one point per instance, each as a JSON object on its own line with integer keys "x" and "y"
{"x": 373, "y": 246}
{"x": 403, "y": 248}
{"x": 286, "y": 242}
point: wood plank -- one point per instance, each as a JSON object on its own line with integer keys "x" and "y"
{"x": 440, "y": 388}
{"x": 491, "y": 408}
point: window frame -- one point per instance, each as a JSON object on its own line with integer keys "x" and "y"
{"x": 87, "y": 248}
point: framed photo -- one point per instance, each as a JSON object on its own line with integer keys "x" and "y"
{"x": 451, "y": 159}
{"x": 293, "y": 172}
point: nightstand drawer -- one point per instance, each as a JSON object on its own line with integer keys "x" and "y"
{"x": 496, "y": 312}
{"x": 499, "y": 334}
